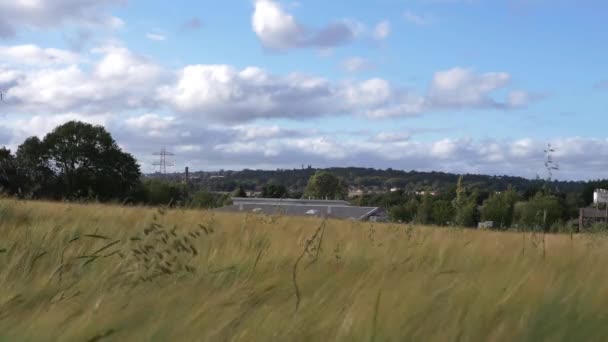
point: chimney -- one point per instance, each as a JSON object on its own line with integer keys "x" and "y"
{"x": 187, "y": 176}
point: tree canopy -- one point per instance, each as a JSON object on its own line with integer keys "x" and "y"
{"x": 324, "y": 185}
{"x": 76, "y": 160}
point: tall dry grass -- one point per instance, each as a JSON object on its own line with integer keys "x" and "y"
{"x": 94, "y": 272}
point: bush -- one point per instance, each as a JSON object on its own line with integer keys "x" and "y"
{"x": 443, "y": 212}
{"x": 209, "y": 200}
{"x": 541, "y": 211}
{"x": 158, "y": 192}
{"x": 405, "y": 212}
{"x": 499, "y": 209}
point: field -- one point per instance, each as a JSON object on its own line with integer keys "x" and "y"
{"x": 108, "y": 273}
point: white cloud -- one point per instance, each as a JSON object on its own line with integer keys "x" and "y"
{"x": 520, "y": 98}
{"x": 279, "y": 30}
{"x": 382, "y": 30}
{"x": 356, "y": 64}
{"x": 158, "y": 37}
{"x": 35, "y": 55}
{"x": 463, "y": 88}
{"x": 150, "y": 122}
{"x": 418, "y": 19}
{"x": 114, "y": 79}
{"x": 391, "y": 137}
{"x": 45, "y": 14}
{"x": 222, "y": 93}
{"x": 120, "y": 80}
{"x": 114, "y": 23}
{"x": 39, "y": 125}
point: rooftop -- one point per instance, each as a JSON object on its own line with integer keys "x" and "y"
{"x": 297, "y": 207}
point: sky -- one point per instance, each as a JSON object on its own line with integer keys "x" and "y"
{"x": 461, "y": 86}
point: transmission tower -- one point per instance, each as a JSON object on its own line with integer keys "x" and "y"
{"x": 163, "y": 163}
{"x": 550, "y": 164}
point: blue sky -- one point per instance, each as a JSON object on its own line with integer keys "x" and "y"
{"x": 452, "y": 85}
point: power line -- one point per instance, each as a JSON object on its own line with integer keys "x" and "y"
{"x": 163, "y": 163}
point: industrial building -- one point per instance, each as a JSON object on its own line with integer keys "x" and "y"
{"x": 596, "y": 214}
{"x": 302, "y": 207}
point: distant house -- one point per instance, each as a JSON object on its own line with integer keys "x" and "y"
{"x": 354, "y": 192}
{"x": 310, "y": 208}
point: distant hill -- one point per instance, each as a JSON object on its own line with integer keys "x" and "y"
{"x": 368, "y": 179}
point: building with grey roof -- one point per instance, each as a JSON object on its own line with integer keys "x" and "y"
{"x": 301, "y": 207}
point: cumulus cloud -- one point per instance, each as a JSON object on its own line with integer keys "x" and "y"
{"x": 279, "y": 30}
{"x": 118, "y": 81}
{"x": 460, "y": 87}
{"x": 455, "y": 89}
{"x": 52, "y": 13}
{"x": 463, "y": 88}
{"x": 220, "y": 92}
{"x": 35, "y": 55}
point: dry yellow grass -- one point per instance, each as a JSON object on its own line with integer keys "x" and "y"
{"x": 367, "y": 281}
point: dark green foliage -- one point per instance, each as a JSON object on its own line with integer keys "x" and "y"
{"x": 209, "y": 200}
{"x": 425, "y": 210}
{"x": 88, "y": 162}
{"x": 74, "y": 161}
{"x": 465, "y": 206}
{"x": 499, "y": 209}
{"x": 159, "y": 192}
{"x": 540, "y": 212}
{"x": 39, "y": 181}
{"x": 9, "y": 175}
{"x": 409, "y": 181}
{"x": 324, "y": 185}
{"x": 405, "y": 212}
{"x": 274, "y": 191}
{"x": 443, "y": 212}
{"x": 240, "y": 192}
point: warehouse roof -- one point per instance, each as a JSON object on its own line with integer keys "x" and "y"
{"x": 314, "y": 208}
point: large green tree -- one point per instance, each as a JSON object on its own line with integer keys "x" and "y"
{"x": 10, "y": 182}
{"x": 39, "y": 179}
{"x": 85, "y": 161}
{"x": 324, "y": 185}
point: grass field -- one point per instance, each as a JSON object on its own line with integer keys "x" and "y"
{"x": 107, "y": 273}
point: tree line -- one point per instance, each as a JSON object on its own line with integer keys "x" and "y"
{"x": 539, "y": 208}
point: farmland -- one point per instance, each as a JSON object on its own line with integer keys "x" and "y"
{"x": 100, "y": 272}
